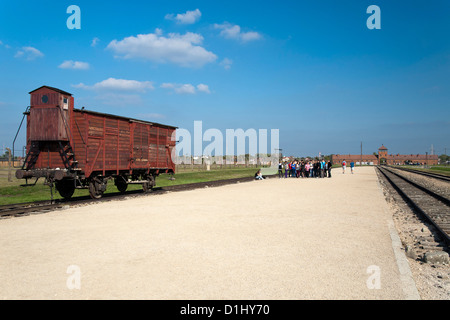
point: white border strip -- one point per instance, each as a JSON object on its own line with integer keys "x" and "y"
{"x": 409, "y": 286}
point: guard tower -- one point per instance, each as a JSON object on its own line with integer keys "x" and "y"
{"x": 382, "y": 155}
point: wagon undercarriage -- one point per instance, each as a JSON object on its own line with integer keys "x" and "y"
{"x": 66, "y": 182}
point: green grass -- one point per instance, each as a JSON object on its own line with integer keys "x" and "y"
{"x": 12, "y": 192}
{"x": 436, "y": 169}
{"x": 203, "y": 176}
{"x": 441, "y": 169}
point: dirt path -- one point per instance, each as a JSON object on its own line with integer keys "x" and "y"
{"x": 271, "y": 239}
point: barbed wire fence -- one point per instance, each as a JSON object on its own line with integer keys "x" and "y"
{"x": 202, "y": 163}
{"x": 19, "y": 155}
{"x": 9, "y": 160}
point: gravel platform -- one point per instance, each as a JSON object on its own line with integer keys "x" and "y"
{"x": 330, "y": 238}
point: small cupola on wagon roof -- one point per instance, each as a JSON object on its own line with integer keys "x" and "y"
{"x": 50, "y": 111}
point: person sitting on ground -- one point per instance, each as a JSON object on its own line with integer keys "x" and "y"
{"x": 258, "y": 175}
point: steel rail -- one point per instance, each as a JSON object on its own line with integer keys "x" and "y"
{"x": 413, "y": 199}
{"x": 435, "y": 175}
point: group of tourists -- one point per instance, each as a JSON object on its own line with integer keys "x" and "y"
{"x": 305, "y": 169}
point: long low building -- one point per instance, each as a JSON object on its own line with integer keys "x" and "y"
{"x": 384, "y": 158}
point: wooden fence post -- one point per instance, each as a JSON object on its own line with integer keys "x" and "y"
{"x": 9, "y": 164}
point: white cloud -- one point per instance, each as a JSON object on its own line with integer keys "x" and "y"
{"x": 226, "y": 63}
{"x": 180, "y": 88}
{"x": 94, "y": 42}
{"x": 185, "y": 88}
{"x": 189, "y": 17}
{"x": 29, "y": 53}
{"x": 183, "y": 50}
{"x": 250, "y": 36}
{"x": 76, "y": 65}
{"x": 203, "y": 88}
{"x": 230, "y": 31}
{"x": 5, "y": 45}
{"x": 168, "y": 86}
{"x": 119, "y": 85}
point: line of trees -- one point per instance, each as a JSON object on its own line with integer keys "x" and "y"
{"x": 444, "y": 159}
{"x": 5, "y": 156}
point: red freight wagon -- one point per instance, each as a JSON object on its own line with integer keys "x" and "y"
{"x": 77, "y": 148}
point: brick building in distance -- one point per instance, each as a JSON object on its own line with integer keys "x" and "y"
{"x": 384, "y": 158}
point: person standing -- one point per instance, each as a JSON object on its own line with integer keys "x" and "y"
{"x": 329, "y": 168}
{"x": 286, "y": 170}
{"x": 280, "y": 170}
{"x": 352, "y": 166}
{"x": 322, "y": 168}
{"x": 294, "y": 165}
{"x": 344, "y": 164}
{"x": 317, "y": 169}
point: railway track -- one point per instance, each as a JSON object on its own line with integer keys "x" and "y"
{"x": 434, "y": 207}
{"x": 25, "y": 209}
{"x": 434, "y": 175}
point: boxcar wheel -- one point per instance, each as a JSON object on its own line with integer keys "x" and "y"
{"x": 121, "y": 184}
{"x": 65, "y": 188}
{"x": 147, "y": 186}
{"x": 96, "y": 189}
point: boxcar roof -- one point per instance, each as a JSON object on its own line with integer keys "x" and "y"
{"x": 52, "y": 88}
{"x": 120, "y": 117}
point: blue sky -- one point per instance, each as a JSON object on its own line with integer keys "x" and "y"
{"x": 311, "y": 69}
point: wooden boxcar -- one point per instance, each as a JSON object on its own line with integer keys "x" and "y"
{"x": 77, "y": 148}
